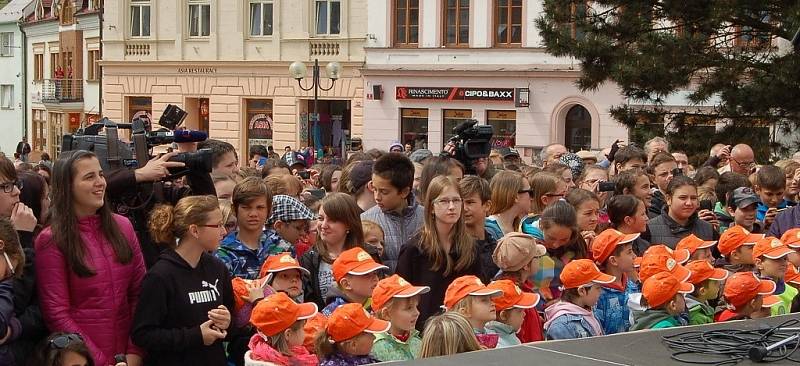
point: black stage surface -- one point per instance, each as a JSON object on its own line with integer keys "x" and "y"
{"x": 632, "y": 348}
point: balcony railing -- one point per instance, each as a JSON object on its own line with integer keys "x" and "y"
{"x": 62, "y": 90}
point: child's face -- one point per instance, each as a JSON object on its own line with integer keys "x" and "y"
{"x": 475, "y": 210}
{"x": 772, "y": 268}
{"x": 712, "y": 290}
{"x": 252, "y": 215}
{"x": 791, "y": 188}
{"x": 295, "y": 337}
{"x": 592, "y": 295}
{"x": 703, "y": 254}
{"x": 745, "y": 216}
{"x": 360, "y": 345}
{"x": 742, "y": 255}
{"x": 632, "y": 164}
{"x": 289, "y": 281}
{"x": 642, "y": 190}
{"x": 588, "y": 214}
{"x": 638, "y": 222}
{"x": 71, "y": 358}
{"x": 362, "y": 285}
{"x": 403, "y": 313}
{"x": 514, "y": 318}
{"x": 794, "y": 258}
{"x": 679, "y": 304}
{"x": 482, "y": 311}
{"x": 626, "y": 258}
{"x": 447, "y": 206}
{"x": 552, "y": 197}
{"x": 663, "y": 174}
{"x": 556, "y": 236}
{"x": 770, "y": 197}
{"x": 374, "y": 238}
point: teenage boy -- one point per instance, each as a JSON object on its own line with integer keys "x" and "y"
{"x": 477, "y": 196}
{"x": 660, "y": 170}
{"x": 769, "y": 256}
{"x": 224, "y": 160}
{"x": 397, "y": 212}
{"x": 706, "y": 280}
{"x": 244, "y": 250}
{"x": 629, "y": 157}
{"x": 664, "y": 296}
{"x": 742, "y": 206}
{"x": 736, "y": 247}
{"x": 745, "y": 295}
{"x": 356, "y": 275}
{"x": 770, "y": 185}
{"x": 613, "y": 253}
{"x": 290, "y": 220}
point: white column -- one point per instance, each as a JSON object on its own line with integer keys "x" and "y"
{"x": 430, "y": 23}
{"x": 533, "y": 9}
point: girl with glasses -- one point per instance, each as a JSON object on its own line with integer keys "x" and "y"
{"x": 511, "y": 201}
{"x": 188, "y": 292}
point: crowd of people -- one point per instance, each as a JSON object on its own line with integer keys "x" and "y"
{"x": 387, "y": 255}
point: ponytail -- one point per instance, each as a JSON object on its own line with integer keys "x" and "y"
{"x": 169, "y": 223}
{"x": 160, "y": 225}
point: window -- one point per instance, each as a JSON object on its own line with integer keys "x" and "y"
{"x": 93, "y": 66}
{"x": 578, "y": 11}
{"x": 261, "y": 18}
{"x": 39, "y": 135}
{"x": 414, "y": 127}
{"x": 7, "y": 96}
{"x": 55, "y": 65}
{"x": 406, "y": 22}
{"x": 578, "y": 129}
{"x": 456, "y": 23}
{"x": 751, "y": 37}
{"x": 508, "y": 22}
{"x": 7, "y": 44}
{"x": 199, "y": 19}
{"x": 259, "y": 121}
{"x": 38, "y": 67}
{"x": 140, "y": 18}
{"x": 67, "y": 16}
{"x": 328, "y": 16}
{"x": 452, "y": 117}
{"x": 505, "y": 128}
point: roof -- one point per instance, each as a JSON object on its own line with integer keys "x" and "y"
{"x": 14, "y": 11}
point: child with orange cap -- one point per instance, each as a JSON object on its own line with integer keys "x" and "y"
{"x": 572, "y": 317}
{"x": 698, "y": 248}
{"x": 348, "y": 337}
{"x": 745, "y": 295}
{"x": 736, "y": 246}
{"x": 279, "y": 340}
{"x": 510, "y": 309}
{"x": 792, "y": 240}
{"x": 395, "y": 300}
{"x": 792, "y": 278}
{"x": 468, "y": 296}
{"x": 613, "y": 252}
{"x": 662, "y": 294}
{"x": 769, "y": 256}
{"x": 658, "y": 258}
{"x": 356, "y": 275}
{"x": 706, "y": 280}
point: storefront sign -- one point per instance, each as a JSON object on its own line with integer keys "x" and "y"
{"x": 260, "y": 127}
{"x": 454, "y": 94}
{"x": 74, "y": 121}
{"x": 197, "y": 70}
{"x": 522, "y": 97}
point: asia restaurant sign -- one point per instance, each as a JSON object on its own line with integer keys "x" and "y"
{"x": 455, "y": 94}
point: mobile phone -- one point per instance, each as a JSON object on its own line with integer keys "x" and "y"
{"x": 304, "y": 174}
{"x": 706, "y": 205}
{"x": 317, "y": 193}
{"x": 606, "y": 187}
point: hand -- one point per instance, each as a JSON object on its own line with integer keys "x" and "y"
{"x": 221, "y": 317}
{"x": 769, "y": 218}
{"x": 211, "y": 335}
{"x": 22, "y": 217}
{"x": 588, "y": 236}
{"x": 254, "y": 293}
{"x": 131, "y": 360}
{"x": 724, "y": 153}
{"x": 157, "y": 168}
{"x": 709, "y": 217}
{"x": 450, "y": 148}
{"x": 618, "y": 144}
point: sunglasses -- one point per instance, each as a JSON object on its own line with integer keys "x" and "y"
{"x": 65, "y": 340}
{"x": 528, "y": 191}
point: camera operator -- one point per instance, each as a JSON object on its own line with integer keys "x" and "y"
{"x": 134, "y": 193}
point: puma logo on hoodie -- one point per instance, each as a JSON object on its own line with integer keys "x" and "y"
{"x": 200, "y": 297}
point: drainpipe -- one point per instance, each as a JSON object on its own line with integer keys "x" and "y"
{"x": 100, "y": 81}
{"x": 24, "y": 77}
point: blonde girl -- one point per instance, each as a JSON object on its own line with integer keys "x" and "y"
{"x": 448, "y": 334}
{"x": 348, "y": 336}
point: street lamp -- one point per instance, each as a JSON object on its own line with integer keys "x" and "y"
{"x": 298, "y": 71}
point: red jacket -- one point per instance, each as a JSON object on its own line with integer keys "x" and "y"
{"x": 532, "y": 324}
{"x": 99, "y": 307}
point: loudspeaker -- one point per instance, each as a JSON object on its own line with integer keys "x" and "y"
{"x": 377, "y": 92}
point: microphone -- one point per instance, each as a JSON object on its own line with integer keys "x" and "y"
{"x": 189, "y": 136}
{"x": 758, "y": 353}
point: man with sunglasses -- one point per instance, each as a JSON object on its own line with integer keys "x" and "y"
{"x": 289, "y": 221}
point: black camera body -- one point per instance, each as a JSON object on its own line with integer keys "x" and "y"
{"x": 472, "y": 142}
{"x": 606, "y": 187}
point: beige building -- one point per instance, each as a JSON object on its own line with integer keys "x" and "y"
{"x": 226, "y": 63}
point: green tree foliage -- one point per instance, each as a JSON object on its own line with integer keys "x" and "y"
{"x": 731, "y": 51}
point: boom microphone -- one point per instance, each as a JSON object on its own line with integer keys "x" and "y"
{"x": 190, "y": 136}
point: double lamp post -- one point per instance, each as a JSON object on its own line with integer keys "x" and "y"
{"x": 298, "y": 71}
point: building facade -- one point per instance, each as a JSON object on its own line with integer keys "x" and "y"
{"x": 227, "y": 65}
{"x": 431, "y": 64}
{"x": 12, "y": 80}
{"x": 62, "y": 50}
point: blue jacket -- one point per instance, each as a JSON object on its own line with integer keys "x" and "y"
{"x": 245, "y": 262}
{"x": 612, "y": 308}
{"x": 569, "y": 326}
{"x": 761, "y": 209}
{"x": 507, "y": 335}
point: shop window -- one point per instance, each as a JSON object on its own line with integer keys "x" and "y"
{"x": 504, "y": 124}
{"x": 452, "y": 117}
{"x": 142, "y": 108}
{"x": 414, "y": 127}
{"x": 258, "y": 114}
{"x": 456, "y": 23}
{"x": 261, "y": 18}
{"x": 140, "y": 18}
{"x": 328, "y": 16}
{"x": 508, "y": 23}
{"x": 199, "y": 18}
{"x": 406, "y": 22}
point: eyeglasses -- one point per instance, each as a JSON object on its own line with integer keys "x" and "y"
{"x": 8, "y": 262}
{"x": 447, "y": 202}
{"x": 555, "y": 194}
{"x": 744, "y": 165}
{"x": 65, "y": 340}
{"x": 528, "y": 191}
{"x": 8, "y": 187}
{"x": 217, "y": 226}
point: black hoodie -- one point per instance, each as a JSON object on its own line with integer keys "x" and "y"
{"x": 175, "y": 300}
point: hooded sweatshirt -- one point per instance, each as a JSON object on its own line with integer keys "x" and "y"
{"x": 699, "y": 312}
{"x": 655, "y": 319}
{"x": 178, "y": 298}
{"x": 507, "y": 335}
{"x": 566, "y": 320}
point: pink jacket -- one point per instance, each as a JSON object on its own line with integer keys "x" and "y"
{"x": 100, "y": 307}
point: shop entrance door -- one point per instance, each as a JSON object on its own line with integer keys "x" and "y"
{"x": 333, "y": 130}
{"x": 197, "y": 118}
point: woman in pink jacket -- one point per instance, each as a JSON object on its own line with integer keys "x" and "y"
{"x": 89, "y": 266}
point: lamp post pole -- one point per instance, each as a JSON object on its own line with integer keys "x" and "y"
{"x": 298, "y": 71}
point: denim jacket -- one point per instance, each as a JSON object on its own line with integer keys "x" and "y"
{"x": 569, "y": 326}
{"x": 507, "y": 335}
{"x": 245, "y": 262}
{"x": 612, "y": 308}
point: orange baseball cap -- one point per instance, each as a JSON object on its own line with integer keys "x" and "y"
{"x": 605, "y": 243}
{"x": 655, "y": 263}
{"x": 792, "y": 274}
{"x": 770, "y": 301}
{"x": 791, "y": 238}
{"x": 349, "y": 320}
{"x": 394, "y": 286}
{"x": 679, "y": 255}
{"x": 772, "y": 248}
{"x": 582, "y": 272}
{"x": 735, "y": 237}
{"x": 355, "y": 261}
{"x": 742, "y": 287}
{"x": 281, "y": 262}
{"x": 512, "y": 296}
{"x": 702, "y": 270}
{"x": 466, "y": 286}
{"x": 278, "y": 312}
{"x": 662, "y": 287}
{"x": 692, "y": 243}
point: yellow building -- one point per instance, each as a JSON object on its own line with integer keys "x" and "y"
{"x": 227, "y": 64}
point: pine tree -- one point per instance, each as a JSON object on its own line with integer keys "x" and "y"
{"x": 735, "y": 52}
